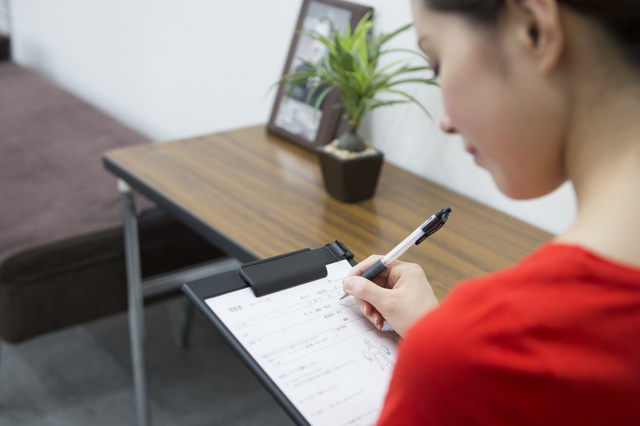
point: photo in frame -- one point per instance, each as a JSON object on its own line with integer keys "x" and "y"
{"x": 295, "y": 118}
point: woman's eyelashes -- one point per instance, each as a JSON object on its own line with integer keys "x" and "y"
{"x": 435, "y": 67}
{"x": 436, "y": 71}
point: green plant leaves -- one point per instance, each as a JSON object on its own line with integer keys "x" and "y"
{"x": 351, "y": 67}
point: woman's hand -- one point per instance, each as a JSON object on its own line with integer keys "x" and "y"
{"x": 400, "y": 295}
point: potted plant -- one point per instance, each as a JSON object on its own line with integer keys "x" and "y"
{"x": 350, "y": 166}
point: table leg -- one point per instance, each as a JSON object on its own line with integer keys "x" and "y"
{"x": 1, "y": 386}
{"x": 136, "y": 306}
{"x": 181, "y": 312}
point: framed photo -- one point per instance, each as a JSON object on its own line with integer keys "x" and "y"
{"x": 293, "y": 118}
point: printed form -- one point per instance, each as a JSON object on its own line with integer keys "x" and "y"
{"x": 322, "y": 353}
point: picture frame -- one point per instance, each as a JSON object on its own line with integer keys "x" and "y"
{"x": 295, "y": 119}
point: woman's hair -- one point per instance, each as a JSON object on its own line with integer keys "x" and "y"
{"x": 620, "y": 18}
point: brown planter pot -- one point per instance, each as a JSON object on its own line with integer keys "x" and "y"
{"x": 353, "y": 179}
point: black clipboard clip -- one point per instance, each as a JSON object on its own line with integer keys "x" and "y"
{"x": 287, "y": 270}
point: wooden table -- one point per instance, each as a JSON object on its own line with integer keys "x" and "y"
{"x": 255, "y": 195}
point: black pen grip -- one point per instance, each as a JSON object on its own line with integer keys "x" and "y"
{"x": 375, "y": 270}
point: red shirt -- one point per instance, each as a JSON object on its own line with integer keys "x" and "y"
{"x": 554, "y": 340}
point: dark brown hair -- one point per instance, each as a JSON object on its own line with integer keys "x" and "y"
{"x": 620, "y": 18}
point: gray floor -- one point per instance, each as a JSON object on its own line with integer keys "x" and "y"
{"x": 82, "y": 376}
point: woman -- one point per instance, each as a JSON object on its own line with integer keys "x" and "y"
{"x": 542, "y": 91}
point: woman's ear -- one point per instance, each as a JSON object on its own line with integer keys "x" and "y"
{"x": 539, "y": 29}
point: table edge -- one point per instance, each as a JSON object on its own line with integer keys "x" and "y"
{"x": 205, "y": 231}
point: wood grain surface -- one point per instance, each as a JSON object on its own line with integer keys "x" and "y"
{"x": 267, "y": 196}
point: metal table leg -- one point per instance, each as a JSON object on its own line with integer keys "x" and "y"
{"x": 181, "y": 312}
{"x": 136, "y": 307}
{"x": 153, "y": 286}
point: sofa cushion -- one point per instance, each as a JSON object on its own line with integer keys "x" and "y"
{"x": 52, "y": 182}
{"x": 83, "y": 278}
{"x": 61, "y": 241}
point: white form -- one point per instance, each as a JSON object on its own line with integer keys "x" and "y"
{"x": 322, "y": 353}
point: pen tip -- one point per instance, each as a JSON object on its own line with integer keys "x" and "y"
{"x": 344, "y": 296}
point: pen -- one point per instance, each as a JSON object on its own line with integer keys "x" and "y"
{"x": 430, "y": 227}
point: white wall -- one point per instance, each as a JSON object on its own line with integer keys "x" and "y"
{"x": 173, "y": 69}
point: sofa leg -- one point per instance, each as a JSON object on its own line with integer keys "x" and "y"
{"x": 1, "y": 367}
{"x": 136, "y": 307}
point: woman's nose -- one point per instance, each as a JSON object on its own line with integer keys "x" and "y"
{"x": 445, "y": 123}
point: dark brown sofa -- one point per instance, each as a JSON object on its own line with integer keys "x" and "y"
{"x": 61, "y": 242}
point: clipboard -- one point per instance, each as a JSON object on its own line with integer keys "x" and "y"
{"x": 277, "y": 276}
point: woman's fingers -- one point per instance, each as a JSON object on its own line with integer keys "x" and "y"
{"x": 400, "y": 295}
{"x": 370, "y": 313}
{"x": 364, "y": 265}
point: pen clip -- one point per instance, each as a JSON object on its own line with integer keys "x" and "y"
{"x": 430, "y": 227}
{"x": 430, "y": 232}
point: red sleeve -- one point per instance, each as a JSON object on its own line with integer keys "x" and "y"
{"x": 468, "y": 362}
{"x": 551, "y": 341}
